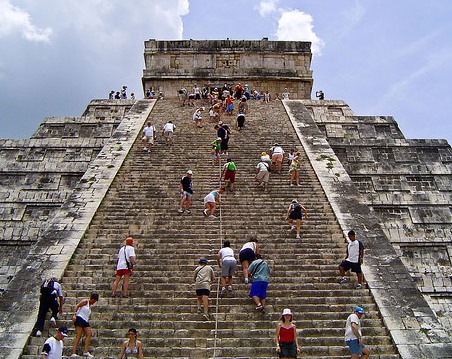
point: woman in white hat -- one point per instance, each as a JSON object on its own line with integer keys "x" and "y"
{"x": 286, "y": 336}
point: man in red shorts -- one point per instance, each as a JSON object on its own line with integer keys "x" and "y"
{"x": 229, "y": 170}
{"x": 124, "y": 267}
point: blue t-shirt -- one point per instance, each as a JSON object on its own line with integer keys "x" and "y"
{"x": 260, "y": 272}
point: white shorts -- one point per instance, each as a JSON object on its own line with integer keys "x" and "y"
{"x": 209, "y": 198}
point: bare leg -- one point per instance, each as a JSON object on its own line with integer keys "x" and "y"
{"x": 88, "y": 334}
{"x": 126, "y": 284}
{"x": 78, "y": 336}
{"x": 205, "y": 303}
{"x": 245, "y": 265}
{"x": 114, "y": 286}
{"x": 298, "y": 226}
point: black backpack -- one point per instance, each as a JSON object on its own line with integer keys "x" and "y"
{"x": 47, "y": 287}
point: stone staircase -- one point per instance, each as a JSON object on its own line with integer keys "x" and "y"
{"x": 143, "y": 201}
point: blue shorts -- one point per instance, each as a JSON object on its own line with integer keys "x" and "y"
{"x": 186, "y": 194}
{"x": 230, "y": 107}
{"x": 354, "y": 346}
{"x": 355, "y": 267}
{"x": 80, "y": 322}
{"x": 259, "y": 289}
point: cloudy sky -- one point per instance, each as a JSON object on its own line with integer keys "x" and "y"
{"x": 382, "y": 57}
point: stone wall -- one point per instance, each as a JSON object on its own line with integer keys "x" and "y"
{"x": 38, "y": 175}
{"x": 263, "y": 65}
{"x": 407, "y": 184}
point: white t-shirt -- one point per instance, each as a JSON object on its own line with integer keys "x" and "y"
{"x": 169, "y": 127}
{"x": 148, "y": 131}
{"x": 53, "y": 348}
{"x": 353, "y": 251}
{"x": 262, "y": 166}
{"x": 129, "y": 252}
{"x": 251, "y": 245}
{"x": 352, "y": 318}
{"x": 227, "y": 254}
{"x": 277, "y": 150}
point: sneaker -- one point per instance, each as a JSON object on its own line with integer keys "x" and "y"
{"x": 212, "y": 216}
{"x": 204, "y": 213}
{"x": 223, "y": 291}
{"x": 298, "y": 236}
{"x": 180, "y": 210}
{"x": 344, "y": 280}
{"x": 145, "y": 149}
{"x": 52, "y": 321}
{"x": 206, "y": 316}
{"x": 199, "y": 311}
{"x": 259, "y": 308}
{"x": 358, "y": 286}
{"x": 74, "y": 356}
{"x": 187, "y": 211}
{"x": 229, "y": 287}
{"x": 38, "y": 333}
{"x": 291, "y": 229}
{"x": 88, "y": 355}
{"x": 246, "y": 281}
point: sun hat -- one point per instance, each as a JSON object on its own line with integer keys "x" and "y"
{"x": 294, "y": 201}
{"x": 63, "y": 331}
{"x": 286, "y": 311}
{"x": 129, "y": 241}
{"x": 189, "y": 172}
{"x": 203, "y": 261}
{"x": 264, "y": 153}
{"x": 359, "y": 310}
{"x": 219, "y": 139}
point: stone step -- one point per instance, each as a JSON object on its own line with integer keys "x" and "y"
{"x": 142, "y": 202}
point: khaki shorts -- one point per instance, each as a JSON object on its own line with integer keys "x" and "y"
{"x": 263, "y": 176}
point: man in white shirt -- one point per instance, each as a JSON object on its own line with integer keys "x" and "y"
{"x": 353, "y": 260}
{"x": 53, "y": 347}
{"x": 124, "y": 267}
{"x": 353, "y": 335}
{"x": 148, "y": 136}
{"x": 168, "y": 132}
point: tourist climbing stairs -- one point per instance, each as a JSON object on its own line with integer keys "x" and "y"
{"x": 143, "y": 202}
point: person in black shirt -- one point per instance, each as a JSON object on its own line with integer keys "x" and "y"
{"x": 186, "y": 192}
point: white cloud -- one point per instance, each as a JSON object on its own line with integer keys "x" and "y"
{"x": 267, "y": 7}
{"x": 296, "y": 25}
{"x": 13, "y": 19}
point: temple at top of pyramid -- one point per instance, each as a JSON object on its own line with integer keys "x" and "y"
{"x": 79, "y": 185}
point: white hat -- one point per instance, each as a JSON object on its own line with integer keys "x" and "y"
{"x": 189, "y": 172}
{"x": 286, "y": 311}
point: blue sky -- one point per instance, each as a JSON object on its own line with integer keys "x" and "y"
{"x": 382, "y": 57}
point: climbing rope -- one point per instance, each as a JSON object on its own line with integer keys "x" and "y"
{"x": 217, "y": 302}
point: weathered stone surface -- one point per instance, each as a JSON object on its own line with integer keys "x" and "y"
{"x": 263, "y": 65}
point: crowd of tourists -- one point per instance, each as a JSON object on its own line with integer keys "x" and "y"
{"x": 254, "y": 268}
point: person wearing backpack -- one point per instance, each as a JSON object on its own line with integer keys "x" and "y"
{"x": 125, "y": 264}
{"x": 51, "y": 298}
{"x": 294, "y": 214}
{"x": 228, "y": 174}
{"x": 353, "y": 259}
